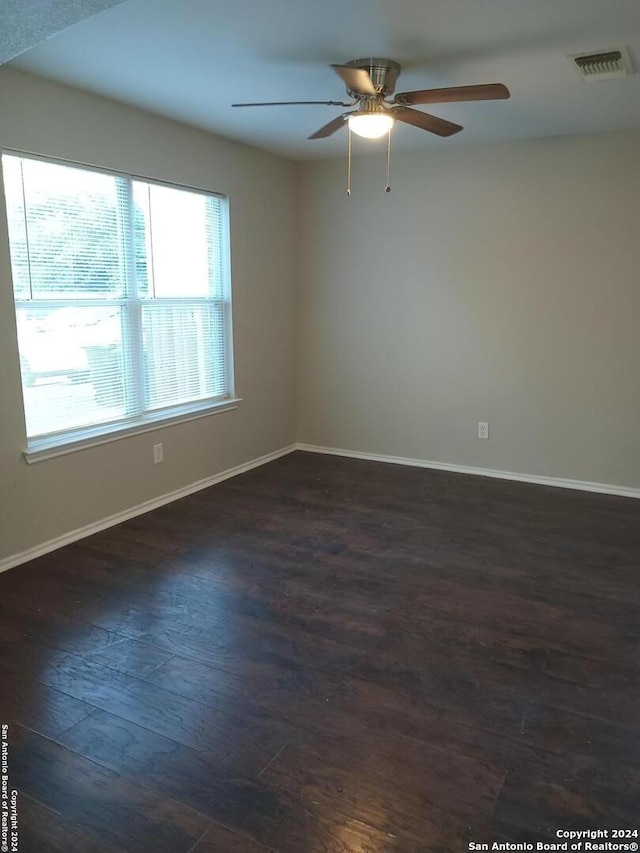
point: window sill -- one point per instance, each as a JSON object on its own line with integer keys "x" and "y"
{"x": 47, "y": 448}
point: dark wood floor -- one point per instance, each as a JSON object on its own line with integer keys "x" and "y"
{"x": 329, "y": 655}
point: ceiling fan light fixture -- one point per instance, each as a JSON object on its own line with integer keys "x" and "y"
{"x": 370, "y": 125}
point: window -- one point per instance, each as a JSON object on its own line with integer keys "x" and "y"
{"x": 122, "y": 298}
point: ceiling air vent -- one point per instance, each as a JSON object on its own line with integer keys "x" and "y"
{"x": 603, "y": 65}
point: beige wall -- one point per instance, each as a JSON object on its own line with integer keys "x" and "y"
{"x": 41, "y": 501}
{"x": 496, "y": 283}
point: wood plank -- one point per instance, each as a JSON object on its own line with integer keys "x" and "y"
{"x": 241, "y": 642}
{"x": 61, "y": 631}
{"x": 374, "y": 780}
{"x": 38, "y": 707}
{"x": 132, "y": 657}
{"x": 198, "y": 780}
{"x": 242, "y": 740}
{"x": 290, "y": 693}
{"x": 593, "y": 673}
{"x": 617, "y": 704}
{"x": 563, "y": 731}
{"x": 221, "y": 840}
{"x": 101, "y": 582}
{"x": 275, "y": 819}
{"x": 41, "y": 829}
{"x": 121, "y": 618}
{"x": 497, "y": 708}
{"x": 104, "y": 804}
{"x": 541, "y": 805}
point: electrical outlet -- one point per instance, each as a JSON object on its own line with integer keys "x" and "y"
{"x": 158, "y": 453}
{"x": 483, "y": 429}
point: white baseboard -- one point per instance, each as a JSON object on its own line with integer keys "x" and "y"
{"x": 140, "y": 509}
{"x": 147, "y": 506}
{"x": 557, "y": 482}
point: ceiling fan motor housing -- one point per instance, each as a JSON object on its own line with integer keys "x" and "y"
{"x": 383, "y": 72}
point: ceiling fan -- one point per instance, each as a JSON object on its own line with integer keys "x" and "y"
{"x": 371, "y": 82}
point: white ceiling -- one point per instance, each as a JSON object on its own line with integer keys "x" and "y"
{"x": 190, "y": 59}
{"x": 24, "y": 23}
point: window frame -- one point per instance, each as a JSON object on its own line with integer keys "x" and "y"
{"x": 61, "y": 442}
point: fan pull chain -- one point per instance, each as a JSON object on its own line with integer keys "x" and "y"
{"x": 349, "y": 162}
{"x": 387, "y": 189}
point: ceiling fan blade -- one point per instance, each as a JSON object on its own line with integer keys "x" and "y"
{"x": 331, "y": 127}
{"x": 356, "y": 79}
{"x": 436, "y": 125}
{"x": 488, "y": 92}
{"x": 290, "y": 103}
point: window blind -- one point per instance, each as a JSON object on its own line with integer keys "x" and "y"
{"x": 122, "y": 298}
